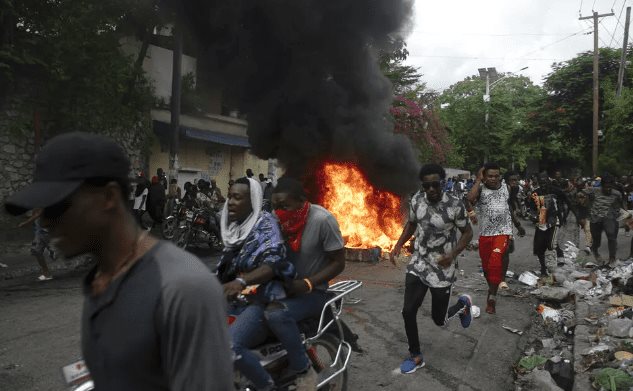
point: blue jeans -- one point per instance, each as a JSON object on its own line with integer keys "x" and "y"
{"x": 282, "y": 317}
{"x": 249, "y": 331}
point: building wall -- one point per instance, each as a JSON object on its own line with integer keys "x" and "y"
{"x": 206, "y": 160}
{"x": 158, "y": 65}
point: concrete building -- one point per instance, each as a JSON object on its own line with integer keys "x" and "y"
{"x": 212, "y": 145}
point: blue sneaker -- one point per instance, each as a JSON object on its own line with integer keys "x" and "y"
{"x": 412, "y": 364}
{"x": 465, "y": 317}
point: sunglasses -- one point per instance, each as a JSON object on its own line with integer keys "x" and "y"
{"x": 435, "y": 184}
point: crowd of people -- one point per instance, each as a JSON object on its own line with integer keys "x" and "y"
{"x": 155, "y": 316}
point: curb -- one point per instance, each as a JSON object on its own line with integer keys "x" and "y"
{"x": 581, "y": 342}
{"x": 57, "y": 266}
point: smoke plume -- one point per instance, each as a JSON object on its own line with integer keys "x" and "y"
{"x": 306, "y": 74}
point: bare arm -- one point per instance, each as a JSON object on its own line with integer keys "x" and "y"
{"x": 407, "y": 232}
{"x": 334, "y": 267}
{"x": 259, "y": 275}
{"x": 467, "y": 235}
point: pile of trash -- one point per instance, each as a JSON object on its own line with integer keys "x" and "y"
{"x": 604, "y": 332}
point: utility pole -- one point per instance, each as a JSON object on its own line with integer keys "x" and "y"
{"x": 176, "y": 86}
{"x": 596, "y": 89}
{"x": 625, "y": 45}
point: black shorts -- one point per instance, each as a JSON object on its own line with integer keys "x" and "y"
{"x": 544, "y": 240}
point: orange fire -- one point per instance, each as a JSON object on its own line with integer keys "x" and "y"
{"x": 368, "y": 217}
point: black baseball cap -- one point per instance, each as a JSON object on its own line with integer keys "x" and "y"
{"x": 62, "y": 166}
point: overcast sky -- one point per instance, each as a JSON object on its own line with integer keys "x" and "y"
{"x": 451, "y": 39}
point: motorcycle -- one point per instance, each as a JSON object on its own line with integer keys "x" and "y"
{"x": 195, "y": 229}
{"x": 329, "y": 344}
{"x": 176, "y": 219}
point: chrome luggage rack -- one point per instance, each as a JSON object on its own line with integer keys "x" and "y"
{"x": 339, "y": 290}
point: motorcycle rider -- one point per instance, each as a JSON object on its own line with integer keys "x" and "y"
{"x": 210, "y": 202}
{"x": 254, "y": 254}
{"x": 316, "y": 249}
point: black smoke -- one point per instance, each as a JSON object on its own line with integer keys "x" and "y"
{"x": 306, "y": 74}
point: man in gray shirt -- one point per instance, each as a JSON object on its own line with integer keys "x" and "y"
{"x": 316, "y": 249}
{"x": 605, "y": 204}
{"x": 154, "y": 316}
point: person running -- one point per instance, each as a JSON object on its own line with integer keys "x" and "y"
{"x": 603, "y": 214}
{"x": 547, "y": 200}
{"x": 40, "y": 243}
{"x": 153, "y": 315}
{"x": 491, "y": 195}
{"x": 435, "y": 217}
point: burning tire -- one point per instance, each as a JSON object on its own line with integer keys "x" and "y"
{"x": 322, "y": 353}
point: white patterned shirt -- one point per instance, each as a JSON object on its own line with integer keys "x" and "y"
{"x": 494, "y": 213}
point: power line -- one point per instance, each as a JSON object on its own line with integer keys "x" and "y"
{"x": 609, "y": 32}
{"x": 593, "y": 5}
{"x": 484, "y": 34}
{"x": 585, "y": 30}
{"x": 485, "y": 58}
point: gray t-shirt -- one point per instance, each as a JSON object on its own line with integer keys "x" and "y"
{"x": 160, "y": 326}
{"x": 321, "y": 234}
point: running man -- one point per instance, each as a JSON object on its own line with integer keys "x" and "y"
{"x": 491, "y": 195}
{"x": 435, "y": 217}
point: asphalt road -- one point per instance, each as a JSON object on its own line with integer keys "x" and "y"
{"x": 39, "y": 330}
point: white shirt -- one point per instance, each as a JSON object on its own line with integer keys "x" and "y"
{"x": 139, "y": 204}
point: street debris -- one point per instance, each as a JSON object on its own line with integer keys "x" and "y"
{"x": 475, "y": 311}
{"x": 606, "y": 296}
{"x": 510, "y": 329}
{"x": 528, "y": 278}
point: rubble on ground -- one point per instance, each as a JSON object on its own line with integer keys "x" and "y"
{"x": 583, "y": 328}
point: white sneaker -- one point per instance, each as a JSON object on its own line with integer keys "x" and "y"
{"x": 44, "y": 278}
{"x": 307, "y": 381}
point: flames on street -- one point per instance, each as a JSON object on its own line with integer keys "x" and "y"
{"x": 368, "y": 217}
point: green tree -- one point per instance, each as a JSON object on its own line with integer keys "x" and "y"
{"x": 67, "y": 53}
{"x": 477, "y": 140}
{"x": 563, "y": 120}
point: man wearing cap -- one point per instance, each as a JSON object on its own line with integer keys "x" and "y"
{"x": 153, "y": 316}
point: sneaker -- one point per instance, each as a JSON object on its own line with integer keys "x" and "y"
{"x": 490, "y": 308}
{"x": 412, "y": 364}
{"x": 466, "y": 317}
{"x": 306, "y": 381}
{"x": 503, "y": 285}
{"x": 588, "y": 250}
{"x": 44, "y": 278}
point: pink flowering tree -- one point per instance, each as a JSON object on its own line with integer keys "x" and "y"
{"x": 424, "y": 129}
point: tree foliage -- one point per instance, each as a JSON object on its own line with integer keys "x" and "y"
{"x": 67, "y": 53}
{"x": 413, "y": 112}
{"x": 464, "y": 112}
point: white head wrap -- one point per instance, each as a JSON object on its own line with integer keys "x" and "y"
{"x": 234, "y": 234}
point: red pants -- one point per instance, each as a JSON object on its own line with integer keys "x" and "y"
{"x": 491, "y": 251}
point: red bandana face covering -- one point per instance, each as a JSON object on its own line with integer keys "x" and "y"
{"x": 292, "y": 224}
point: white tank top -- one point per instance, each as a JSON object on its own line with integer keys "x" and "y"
{"x": 494, "y": 211}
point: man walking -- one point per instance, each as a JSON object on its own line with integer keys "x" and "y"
{"x": 154, "y": 316}
{"x": 435, "y": 217}
{"x": 491, "y": 196}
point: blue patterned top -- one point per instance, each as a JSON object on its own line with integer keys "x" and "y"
{"x": 264, "y": 245}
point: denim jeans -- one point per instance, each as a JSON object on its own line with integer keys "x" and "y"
{"x": 282, "y": 317}
{"x": 249, "y": 331}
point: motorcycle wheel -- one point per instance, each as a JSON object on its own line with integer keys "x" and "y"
{"x": 182, "y": 238}
{"x": 168, "y": 228}
{"x": 322, "y": 354}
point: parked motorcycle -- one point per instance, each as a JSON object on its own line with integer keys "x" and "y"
{"x": 196, "y": 229}
{"x": 176, "y": 219}
{"x": 328, "y": 341}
